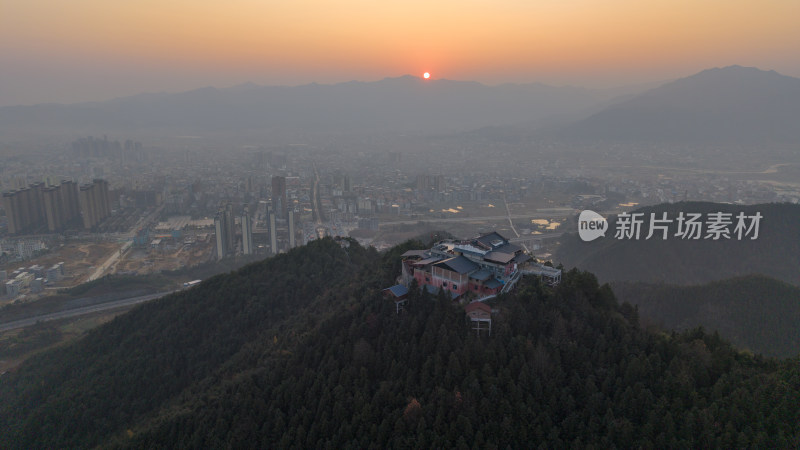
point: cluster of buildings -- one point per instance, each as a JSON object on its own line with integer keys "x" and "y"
{"x": 16, "y": 249}
{"x": 95, "y": 147}
{"x": 482, "y": 266}
{"x": 474, "y": 269}
{"x": 226, "y": 236}
{"x": 32, "y": 278}
{"x": 238, "y": 234}
{"x": 32, "y": 208}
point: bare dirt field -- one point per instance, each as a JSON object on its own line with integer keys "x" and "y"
{"x": 142, "y": 261}
{"x": 78, "y": 259}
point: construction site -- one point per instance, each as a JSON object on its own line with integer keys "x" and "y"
{"x": 169, "y": 246}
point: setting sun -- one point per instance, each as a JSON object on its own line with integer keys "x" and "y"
{"x": 426, "y": 75}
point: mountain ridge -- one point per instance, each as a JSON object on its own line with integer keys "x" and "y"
{"x": 737, "y": 104}
{"x": 302, "y": 349}
{"x": 729, "y": 104}
{"x": 400, "y": 104}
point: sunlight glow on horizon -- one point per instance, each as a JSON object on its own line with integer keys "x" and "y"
{"x": 52, "y": 48}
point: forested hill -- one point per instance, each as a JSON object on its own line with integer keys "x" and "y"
{"x": 754, "y": 312}
{"x": 302, "y": 350}
{"x": 775, "y": 253}
{"x": 130, "y": 368}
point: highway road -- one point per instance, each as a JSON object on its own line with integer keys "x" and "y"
{"x": 126, "y": 302}
{"x": 536, "y": 215}
{"x": 511, "y": 222}
{"x": 537, "y": 237}
{"x": 113, "y": 259}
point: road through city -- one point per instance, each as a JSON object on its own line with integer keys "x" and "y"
{"x": 127, "y": 302}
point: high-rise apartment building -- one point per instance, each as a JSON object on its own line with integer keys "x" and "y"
{"x": 346, "y": 184}
{"x": 435, "y": 182}
{"x": 70, "y": 206}
{"x": 13, "y": 218}
{"x": 24, "y": 209}
{"x": 52, "y": 208}
{"x": 291, "y": 229}
{"x": 30, "y": 208}
{"x": 247, "y": 233}
{"x": 224, "y": 227}
{"x": 273, "y": 233}
{"x": 279, "y": 201}
{"x": 37, "y": 203}
{"x": 220, "y": 228}
{"x": 95, "y": 203}
{"x": 230, "y": 229}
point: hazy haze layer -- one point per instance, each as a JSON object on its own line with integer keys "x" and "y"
{"x": 93, "y": 50}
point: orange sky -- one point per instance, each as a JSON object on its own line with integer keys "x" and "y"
{"x": 69, "y": 50}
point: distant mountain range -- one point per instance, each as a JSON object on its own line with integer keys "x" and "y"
{"x": 775, "y": 253}
{"x": 403, "y": 104}
{"x": 731, "y": 104}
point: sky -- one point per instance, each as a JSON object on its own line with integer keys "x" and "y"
{"x": 66, "y": 51}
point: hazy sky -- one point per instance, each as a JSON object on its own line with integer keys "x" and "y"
{"x": 75, "y": 50}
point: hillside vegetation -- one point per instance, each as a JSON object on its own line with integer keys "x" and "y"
{"x": 755, "y": 312}
{"x": 301, "y": 350}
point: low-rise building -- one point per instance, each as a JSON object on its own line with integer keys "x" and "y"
{"x": 481, "y": 266}
{"x": 53, "y": 274}
{"x": 399, "y": 294}
{"x": 13, "y": 287}
{"x": 480, "y": 316}
{"x": 37, "y": 285}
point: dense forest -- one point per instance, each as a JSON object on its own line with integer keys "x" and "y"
{"x": 754, "y": 312}
{"x": 302, "y": 350}
{"x": 775, "y": 253}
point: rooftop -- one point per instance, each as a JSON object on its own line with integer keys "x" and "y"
{"x": 418, "y": 253}
{"x": 481, "y": 275}
{"x": 427, "y": 261}
{"x": 499, "y": 257}
{"x": 491, "y": 240}
{"x": 493, "y": 283}
{"x": 397, "y": 290}
{"x": 478, "y": 306}
{"x": 435, "y": 291}
{"x": 459, "y": 264}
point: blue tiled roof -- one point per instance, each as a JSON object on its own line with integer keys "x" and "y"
{"x": 398, "y": 290}
{"x": 459, "y": 264}
{"x": 521, "y": 258}
{"x": 435, "y": 291}
{"x": 499, "y": 257}
{"x": 481, "y": 275}
{"x": 490, "y": 238}
{"x": 493, "y": 283}
{"x": 431, "y": 289}
{"x": 420, "y": 253}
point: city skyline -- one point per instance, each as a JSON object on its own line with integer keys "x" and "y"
{"x": 93, "y": 50}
